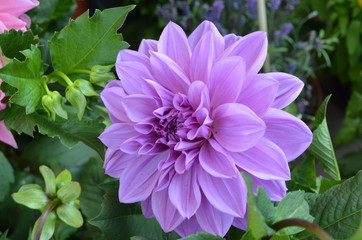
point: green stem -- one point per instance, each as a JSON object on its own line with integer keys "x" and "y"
{"x": 45, "y": 85}
{"x": 297, "y": 222}
{"x": 51, "y": 205}
{"x": 63, "y": 76}
{"x": 81, "y": 71}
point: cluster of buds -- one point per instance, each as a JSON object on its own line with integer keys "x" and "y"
{"x": 59, "y": 201}
{"x": 100, "y": 75}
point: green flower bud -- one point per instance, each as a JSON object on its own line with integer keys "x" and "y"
{"x": 32, "y": 196}
{"x": 69, "y": 192}
{"x": 48, "y": 227}
{"x": 49, "y": 179}
{"x": 64, "y": 177}
{"x": 52, "y": 103}
{"x": 77, "y": 99}
{"x": 70, "y": 215}
{"x": 85, "y": 87}
{"x": 100, "y": 75}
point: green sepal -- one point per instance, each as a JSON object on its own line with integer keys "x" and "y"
{"x": 85, "y": 87}
{"x": 100, "y": 75}
{"x": 64, "y": 177}
{"x": 70, "y": 215}
{"x": 53, "y": 105}
{"x": 77, "y": 99}
{"x": 32, "y": 196}
{"x": 48, "y": 227}
{"x": 49, "y": 179}
{"x": 69, "y": 192}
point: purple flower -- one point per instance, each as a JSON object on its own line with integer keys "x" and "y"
{"x": 274, "y": 4}
{"x": 189, "y": 114}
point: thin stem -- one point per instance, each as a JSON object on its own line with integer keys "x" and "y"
{"x": 263, "y": 26}
{"x": 81, "y": 71}
{"x": 297, "y": 222}
{"x": 39, "y": 228}
{"x": 63, "y": 76}
{"x": 45, "y": 85}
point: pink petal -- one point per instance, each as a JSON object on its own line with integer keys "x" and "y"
{"x": 146, "y": 206}
{"x": 215, "y": 161}
{"x": 253, "y": 48}
{"x": 226, "y": 80}
{"x": 241, "y": 223}
{"x": 199, "y": 32}
{"x": 230, "y": 39}
{"x": 164, "y": 211}
{"x": 184, "y": 192}
{"x": 259, "y": 94}
{"x": 117, "y": 133}
{"x": 127, "y": 55}
{"x": 212, "y": 220}
{"x": 276, "y": 189}
{"x": 17, "y": 7}
{"x": 188, "y": 227}
{"x": 288, "y": 132}
{"x": 168, "y": 74}
{"x": 228, "y": 195}
{"x": 173, "y": 43}
{"x": 265, "y": 160}
{"x": 6, "y": 136}
{"x": 11, "y": 21}
{"x": 289, "y": 89}
{"x": 198, "y": 95}
{"x": 165, "y": 95}
{"x": 236, "y": 127}
{"x": 146, "y": 46}
{"x": 139, "y": 178}
{"x": 205, "y": 54}
{"x": 139, "y": 107}
{"x": 116, "y": 161}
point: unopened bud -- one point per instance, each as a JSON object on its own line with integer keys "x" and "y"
{"x": 77, "y": 99}
{"x": 69, "y": 192}
{"x": 85, "y": 87}
{"x": 49, "y": 179}
{"x": 52, "y": 103}
{"x": 63, "y": 178}
{"x": 100, "y": 75}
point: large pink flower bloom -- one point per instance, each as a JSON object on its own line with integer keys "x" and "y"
{"x": 190, "y": 114}
{"x": 12, "y": 14}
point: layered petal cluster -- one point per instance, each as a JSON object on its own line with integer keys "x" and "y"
{"x": 12, "y": 14}
{"x": 189, "y": 114}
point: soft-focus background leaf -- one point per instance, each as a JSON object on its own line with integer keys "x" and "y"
{"x": 203, "y": 236}
{"x": 13, "y": 42}
{"x": 6, "y": 176}
{"x": 72, "y": 48}
{"x": 305, "y": 174}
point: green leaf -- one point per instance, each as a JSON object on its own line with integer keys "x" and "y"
{"x": 304, "y": 174}
{"x": 353, "y": 40}
{"x": 322, "y": 147}
{"x": 115, "y": 214}
{"x": 49, "y": 179}
{"x": 338, "y": 211}
{"x": 202, "y": 236}
{"x": 32, "y": 196}
{"x": 350, "y": 164}
{"x": 72, "y": 48}
{"x": 265, "y": 205}
{"x": 48, "y": 227}
{"x": 51, "y": 9}
{"x": 26, "y": 77}
{"x": 13, "y": 42}
{"x": 70, "y": 215}
{"x": 64, "y": 177}
{"x": 69, "y": 192}
{"x": 293, "y": 206}
{"x": 4, "y": 234}
{"x": 323, "y": 184}
{"x": 70, "y": 132}
{"x": 6, "y": 176}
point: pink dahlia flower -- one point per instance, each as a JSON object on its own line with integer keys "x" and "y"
{"x": 190, "y": 114}
{"x": 12, "y": 14}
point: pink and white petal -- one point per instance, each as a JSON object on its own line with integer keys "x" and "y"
{"x": 116, "y": 161}
{"x": 146, "y": 46}
{"x": 199, "y": 32}
{"x": 146, "y": 206}
{"x": 11, "y": 21}
{"x": 168, "y": 74}
{"x": 230, "y": 39}
{"x": 17, "y": 7}
{"x": 112, "y": 96}
{"x": 288, "y": 132}
{"x": 139, "y": 178}
{"x": 6, "y": 136}
{"x": 229, "y": 195}
{"x": 188, "y": 227}
{"x": 276, "y": 189}
{"x": 184, "y": 193}
{"x": 138, "y": 107}
{"x": 173, "y": 43}
{"x": 226, "y": 80}
{"x": 265, "y": 160}
{"x": 259, "y": 94}
{"x": 205, "y": 54}
{"x": 215, "y": 161}
{"x": 236, "y": 127}
{"x": 289, "y": 89}
{"x": 212, "y": 220}
{"x": 117, "y": 133}
{"x": 253, "y": 48}
{"x": 198, "y": 95}
{"x": 164, "y": 211}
